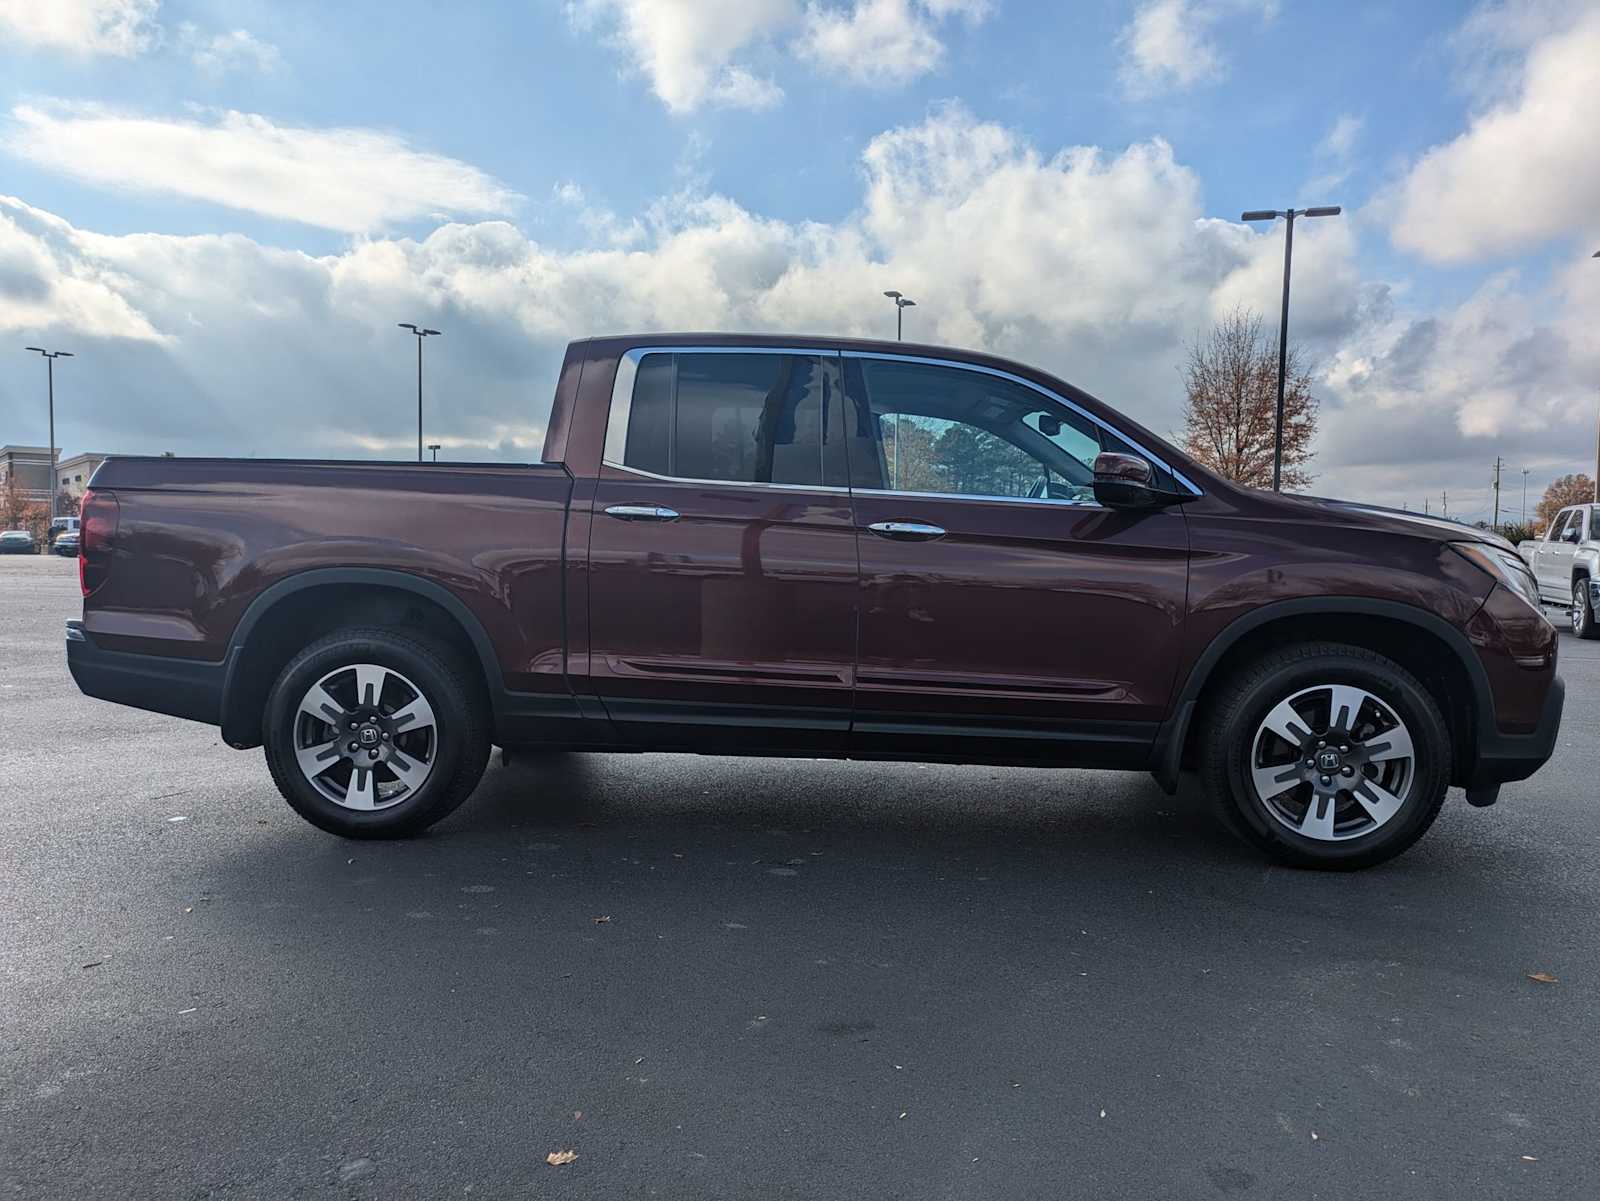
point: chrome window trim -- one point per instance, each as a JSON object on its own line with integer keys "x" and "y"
{"x": 687, "y": 479}
{"x": 1026, "y": 383}
{"x": 1010, "y": 500}
{"x": 616, "y": 446}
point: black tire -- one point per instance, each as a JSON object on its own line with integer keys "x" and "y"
{"x": 1241, "y": 704}
{"x": 460, "y": 746}
{"x": 1584, "y": 623}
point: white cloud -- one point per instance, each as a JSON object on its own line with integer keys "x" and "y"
{"x": 1335, "y": 155}
{"x": 1004, "y": 247}
{"x": 881, "y": 43}
{"x": 353, "y": 180}
{"x": 219, "y": 53}
{"x": 1525, "y": 171}
{"x": 1171, "y": 44}
{"x": 122, "y": 28}
{"x": 686, "y": 48}
{"x": 700, "y": 52}
{"x": 1341, "y": 137}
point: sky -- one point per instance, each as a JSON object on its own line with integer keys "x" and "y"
{"x": 223, "y": 208}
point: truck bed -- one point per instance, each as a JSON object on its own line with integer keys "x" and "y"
{"x": 213, "y": 537}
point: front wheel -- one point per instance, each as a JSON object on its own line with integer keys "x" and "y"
{"x": 370, "y": 733}
{"x": 1584, "y": 624}
{"x": 1327, "y": 755}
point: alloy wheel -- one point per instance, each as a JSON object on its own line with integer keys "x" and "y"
{"x": 365, "y": 737}
{"x": 1332, "y": 762}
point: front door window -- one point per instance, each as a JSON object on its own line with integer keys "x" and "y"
{"x": 949, "y": 431}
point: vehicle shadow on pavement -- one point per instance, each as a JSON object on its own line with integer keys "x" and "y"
{"x": 912, "y": 806}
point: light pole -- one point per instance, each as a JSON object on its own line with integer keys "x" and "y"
{"x": 1329, "y": 210}
{"x": 1596, "y": 255}
{"x": 434, "y": 446}
{"x": 901, "y": 304}
{"x": 50, "y": 357}
{"x": 421, "y": 334}
{"x": 1525, "y": 471}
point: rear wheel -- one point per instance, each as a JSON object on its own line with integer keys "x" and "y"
{"x": 1327, "y": 755}
{"x": 373, "y": 734}
{"x": 1584, "y": 624}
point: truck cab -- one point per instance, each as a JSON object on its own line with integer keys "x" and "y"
{"x": 1566, "y": 563}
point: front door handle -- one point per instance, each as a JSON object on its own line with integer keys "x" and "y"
{"x": 642, "y": 512}
{"x": 907, "y": 531}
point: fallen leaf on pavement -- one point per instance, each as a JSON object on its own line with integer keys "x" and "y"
{"x": 1543, "y": 978}
{"x": 556, "y": 1158}
{"x": 600, "y": 921}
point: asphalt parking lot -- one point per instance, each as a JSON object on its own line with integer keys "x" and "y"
{"x": 765, "y": 979}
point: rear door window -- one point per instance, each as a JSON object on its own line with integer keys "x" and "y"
{"x": 747, "y": 418}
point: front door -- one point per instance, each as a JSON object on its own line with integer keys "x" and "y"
{"x": 722, "y": 552}
{"x": 1004, "y": 613}
{"x": 1554, "y": 565}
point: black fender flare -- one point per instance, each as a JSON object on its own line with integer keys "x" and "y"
{"x": 233, "y": 721}
{"x": 1166, "y": 753}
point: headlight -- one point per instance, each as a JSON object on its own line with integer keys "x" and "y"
{"x": 1505, "y": 566}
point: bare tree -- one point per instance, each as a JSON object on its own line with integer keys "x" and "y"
{"x": 14, "y": 504}
{"x": 1231, "y": 402}
{"x": 1568, "y": 490}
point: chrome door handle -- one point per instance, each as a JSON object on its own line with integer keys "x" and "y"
{"x": 907, "y": 531}
{"x": 642, "y": 512}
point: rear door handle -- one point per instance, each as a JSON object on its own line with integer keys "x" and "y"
{"x": 642, "y": 512}
{"x": 907, "y": 531}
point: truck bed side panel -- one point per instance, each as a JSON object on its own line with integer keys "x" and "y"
{"x": 199, "y": 539}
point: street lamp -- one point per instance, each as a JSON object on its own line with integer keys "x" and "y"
{"x": 1596, "y": 255}
{"x": 50, "y": 357}
{"x": 434, "y": 446}
{"x": 421, "y": 334}
{"x": 1329, "y": 210}
{"x": 1525, "y": 471}
{"x": 901, "y": 304}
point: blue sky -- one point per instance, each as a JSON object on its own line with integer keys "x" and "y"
{"x": 525, "y": 173}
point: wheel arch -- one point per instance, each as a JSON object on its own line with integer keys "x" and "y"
{"x": 1434, "y": 650}
{"x": 286, "y": 615}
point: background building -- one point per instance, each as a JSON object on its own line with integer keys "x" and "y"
{"x": 74, "y": 473}
{"x": 30, "y": 467}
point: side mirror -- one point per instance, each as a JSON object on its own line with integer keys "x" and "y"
{"x": 1127, "y": 482}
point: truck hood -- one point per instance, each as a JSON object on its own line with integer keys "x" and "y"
{"x": 1378, "y": 517}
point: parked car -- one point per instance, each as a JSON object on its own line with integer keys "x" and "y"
{"x": 821, "y": 547}
{"x": 1566, "y": 563}
{"x": 66, "y": 544}
{"x": 17, "y": 542}
{"x": 59, "y": 526}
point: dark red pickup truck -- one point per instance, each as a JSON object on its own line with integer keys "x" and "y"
{"x": 821, "y": 547}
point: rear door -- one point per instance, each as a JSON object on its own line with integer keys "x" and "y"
{"x": 722, "y": 551}
{"x": 1003, "y": 611}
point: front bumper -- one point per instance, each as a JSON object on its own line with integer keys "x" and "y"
{"x": 1503, "y": 758}
{"x": 179, "y": 687}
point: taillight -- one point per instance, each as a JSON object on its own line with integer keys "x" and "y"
{"x": 98, "y": 518}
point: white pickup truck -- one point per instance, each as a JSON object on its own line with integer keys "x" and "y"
{"x": 1566, "y": 562}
